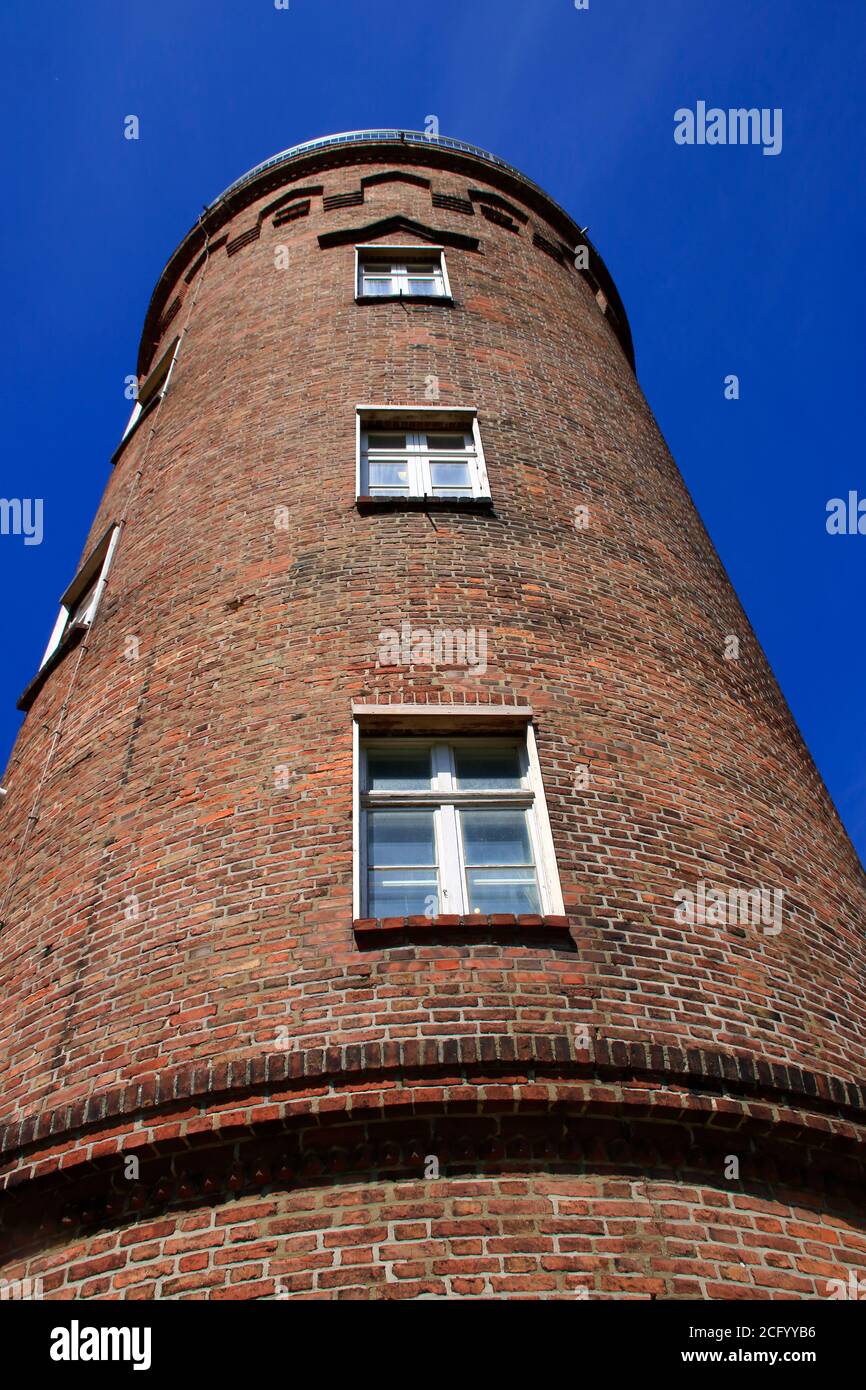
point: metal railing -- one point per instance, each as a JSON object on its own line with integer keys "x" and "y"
{"x": 359, "y": 137}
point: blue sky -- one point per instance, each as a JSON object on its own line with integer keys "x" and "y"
{"x": 728, "y": 261}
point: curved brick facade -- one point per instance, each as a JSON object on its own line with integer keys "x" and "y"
{"x": 180, "y": 975}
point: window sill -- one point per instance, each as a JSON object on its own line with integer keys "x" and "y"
{"x": 443, "y": 299}
{"x": 372, "y": 930}
{"x": 424, "y": 504}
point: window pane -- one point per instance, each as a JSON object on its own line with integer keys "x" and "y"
{"x": 378, "y": 284}
{"x": 402, "y": 893}
{"x": 487, "y": 769}
{"x": 391, "y": 440}
{"x": 398, "y": 769}
{"x": 494, "y": 837}
{"x": 450, "y": 475}
{"x": 400, "y": 837}
{"x": 431, "y": 286}
{"x": 435, "y": 442}
{"x": 391, "y": 475}
{"x": 503, "y": 890}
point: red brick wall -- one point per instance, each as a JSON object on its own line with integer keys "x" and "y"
{"x": 254, "y": 641}
{"x": 522, "y": 1235}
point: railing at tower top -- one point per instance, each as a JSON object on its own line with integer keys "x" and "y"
{"x": 360, "y": 137}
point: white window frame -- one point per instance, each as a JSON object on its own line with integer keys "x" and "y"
{"x": 398, "y": 260}
{"x": 155, "y": 386}
{"x": 417, "y": 422}
{"x": 92, "y": 576}
{"x": 446, "y": 799}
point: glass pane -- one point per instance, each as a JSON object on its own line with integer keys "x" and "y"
{"x": 435, "y": 442}
{"x": 503, "y": 890}
{"x": 378, "y": 286}
{"x": 430, "y": 286}
{"x": 386, "y": 441}
{"x": 402, "y": 893}
{"x": 425, "y": 269}
{"x": 450, "y": 475}
{"x": 494, "y": 837}
{"x": 393, "y": 475}
{"x": 400, "y": 837}
{"x": 398, "y": 769}
{"x": 487, "y": 769}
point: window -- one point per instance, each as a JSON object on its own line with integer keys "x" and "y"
{"x": 77, "y": 610}
{"x": 401, "y": 272}
{"x": 81, "y": 600}
{"x": 453, "y": 827}
{"x": 432, "y": 455}
{"x": 152, "y": 389}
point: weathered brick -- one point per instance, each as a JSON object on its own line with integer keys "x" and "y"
{"x": 235, "y": 1009}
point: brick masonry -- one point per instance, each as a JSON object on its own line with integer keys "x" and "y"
{"x": 181, "y": 976}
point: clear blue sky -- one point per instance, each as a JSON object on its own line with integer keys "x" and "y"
{"x": 727, "y": 260}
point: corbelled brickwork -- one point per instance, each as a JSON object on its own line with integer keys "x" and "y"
{"x": 181, "y": 977}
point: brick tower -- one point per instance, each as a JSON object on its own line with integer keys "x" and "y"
{"x": 414, "y": 883}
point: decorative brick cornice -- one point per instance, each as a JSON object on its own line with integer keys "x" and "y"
{"x": 293, "y": 212}
{"x": 483, "y": 195}
{"x": 385, "y": 226}
{"x": 244, "y": 239}
{"x": 395, "y": 176}
{"x": 389, "y": 1137}
{"x": 381, "y": 1144}
{"x": 728, "y": 1087}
